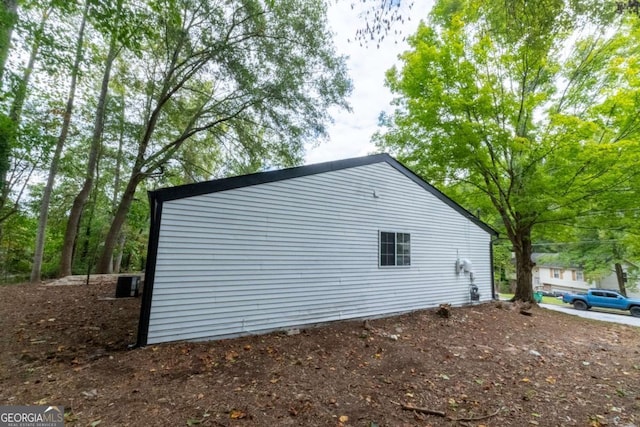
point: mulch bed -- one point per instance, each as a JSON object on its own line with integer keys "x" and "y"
{"x": 485, "y": 365}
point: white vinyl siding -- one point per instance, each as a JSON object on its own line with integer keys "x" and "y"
{"x": 305, "y": 251}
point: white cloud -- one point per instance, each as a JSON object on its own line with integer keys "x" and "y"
{"x": 350, "y": 135}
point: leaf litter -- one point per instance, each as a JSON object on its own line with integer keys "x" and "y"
{"x": 483, "y": 365}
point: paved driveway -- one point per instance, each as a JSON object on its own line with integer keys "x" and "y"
{"x": 624, "y": 317}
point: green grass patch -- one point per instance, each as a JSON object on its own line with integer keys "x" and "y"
{"x": 553, "y": 300}
{"x": 545, "y": 300}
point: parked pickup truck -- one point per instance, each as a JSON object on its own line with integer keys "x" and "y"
{"x": 605, "y": 298}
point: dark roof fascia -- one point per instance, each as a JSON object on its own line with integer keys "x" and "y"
{"x": 223, "y": 184}
{"x": 200, "y": 188}
{"x": 150, "y": 271}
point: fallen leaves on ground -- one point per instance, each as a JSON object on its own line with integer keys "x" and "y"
{"x": 69, "y": 345}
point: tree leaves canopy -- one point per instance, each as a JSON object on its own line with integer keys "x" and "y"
{"x": 525, "y": 109}
{"x": 199, "y": 89}
{"x": 259, "y": 68}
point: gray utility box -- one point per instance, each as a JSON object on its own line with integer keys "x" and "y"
{"x": 127, "y": 286}
{"x": 475, "y": 295}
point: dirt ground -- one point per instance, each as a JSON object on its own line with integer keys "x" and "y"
{"x": 487, "y": 365}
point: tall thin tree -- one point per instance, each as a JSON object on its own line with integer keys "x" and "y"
{"x": 265, "y": 73}
{"x": 98, "y": 127}
{"x": 8, "y": 20}
{"x": 36, "y": 269}
{"x": 15, "y": 110}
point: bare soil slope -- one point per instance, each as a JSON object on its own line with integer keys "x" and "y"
{"x": 485, "y": 365}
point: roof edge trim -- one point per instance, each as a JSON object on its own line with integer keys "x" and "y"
{"x": 223, "y": 184}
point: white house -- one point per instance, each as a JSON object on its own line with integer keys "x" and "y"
{"x": 551, "y": 274}
{"x": 348, "y": 239}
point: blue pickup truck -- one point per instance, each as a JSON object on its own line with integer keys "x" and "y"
{"x": 604, "y": 298}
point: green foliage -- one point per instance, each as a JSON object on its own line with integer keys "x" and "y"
{"x": 503, "y": 266}
{"x": 528, "y": 112}
{"x": 601, "y": 241}
{"x": 7, "y": 135}
{"x": 8, "y": 19}
{"x": 248, "y": 79}
{"x": 15, "y": 256}
{"x": 198, "y": 90}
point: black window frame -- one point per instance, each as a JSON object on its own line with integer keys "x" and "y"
{"x": 394, "y": 249}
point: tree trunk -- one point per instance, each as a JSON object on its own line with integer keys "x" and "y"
{"x": 8, "y": 20}
{"x": 117, "y": 262}
{"x": 620, "y": 276}
{"x": 116, "y": 172}
{"x": 105, "y": 262}
{"x": 523, "y": 250}
{"x": 8, "y": 135}
{"x": 79, "y": 202}
{"x": 15, "y": 112}
{"x": 36, "y": 270}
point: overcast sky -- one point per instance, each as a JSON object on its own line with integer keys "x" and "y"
{"x": 350, "y": 135}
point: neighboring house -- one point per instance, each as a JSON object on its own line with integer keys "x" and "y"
{"x": 340, "y": 240}
{"x": 551, "y": 274}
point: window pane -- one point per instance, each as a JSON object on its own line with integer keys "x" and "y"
{"x": 387, "y": 237}
{"x": 387, "y": 248}
{"x": 404, "y": 260}
{"x": 403, "y": 249}
{"x": 388, "y": 259}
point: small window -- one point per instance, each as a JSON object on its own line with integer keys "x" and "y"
{"x": 556, "y": 273}
{"x": 580, "y": 276}
{"x": 395, "y": 249}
